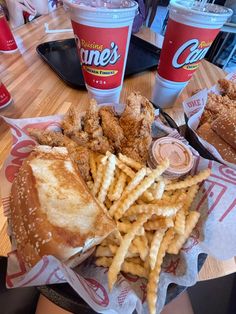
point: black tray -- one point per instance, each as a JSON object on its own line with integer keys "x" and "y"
{"x": 62, "y": 57}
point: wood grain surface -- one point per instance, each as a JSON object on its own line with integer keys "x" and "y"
{"x": 37, "y": 91}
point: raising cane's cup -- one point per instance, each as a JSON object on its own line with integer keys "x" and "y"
{"x": 103, "y": 35}
{"x": 191, "y": 29}
{"x": 7, "y": 41}
{"x": 5, "y": 97}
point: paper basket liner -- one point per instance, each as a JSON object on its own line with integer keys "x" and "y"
{"x": 194, "y": 107}
{"x": 214, "y": 234}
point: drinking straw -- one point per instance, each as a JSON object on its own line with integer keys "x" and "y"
{"x": 52, "y": 31}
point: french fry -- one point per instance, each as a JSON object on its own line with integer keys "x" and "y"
{"x": 147, "y": 196}
{"x": 138, "y": 177}
{"x": 159, "y": 223}
{"x": 113, "y": 249}
{"x": 190, "y": 196}
{"x": 124, "y": 227}
{"x": 127, "y": 267}
{"x": 93, "y": 165}
{"x": 158, "y": 189}
{"x": 134, "y": 269}
{"x": 133, "y": 249}
{"x": 154, "y": 275}
{"x": 149, "y": 235}
{"x": 123, "y": 249}
{"x": 178, "y": 240}
{"x": 155, "y": 246}
{"x": 189, "y": 181}
{"x": 132, "y": 184}
{"x": 160, "y": 210}
{"x": 130, "y": 162}
{"x": 180, "y": 221}
{"x": 127, "y": 170}
{"x": 109, "y": 171}
{"x": 89, "y": 184}
{"x": 140, "y": 189}
{"x": 113, "y": 184}
{"x": 99, "y": 175}
{"x": 103, "y": 261}
{"x": 181, "y": 214}
{"x": 141, "y": 243}
{"x": 113, "y": 238}
{"x": 103, "y": 251}
{"x": 108, "y": 203}
{"x": 118, "y": 187}
{"x": 135, "y": 260}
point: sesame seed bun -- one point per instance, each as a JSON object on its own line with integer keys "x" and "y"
{"x": 224, "y": 149}
{"x": 225, "y": 127}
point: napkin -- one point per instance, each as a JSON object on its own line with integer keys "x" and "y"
{"x": 214, "y": 234}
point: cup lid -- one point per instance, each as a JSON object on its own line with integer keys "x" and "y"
{"x": 179, "y": 155}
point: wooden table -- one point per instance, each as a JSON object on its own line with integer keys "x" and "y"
{"x": 37, "y": 91}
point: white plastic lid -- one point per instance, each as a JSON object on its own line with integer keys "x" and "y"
{"x": 179, "y": 155}
{"x": 211, "y": 16}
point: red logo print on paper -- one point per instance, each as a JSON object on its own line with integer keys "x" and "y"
{"x": 102, "y": 59}
{"x": 22, "y": 147}
{"x": 193, "y": 240}
{"x": 95, "y": 290}
{"x": 129, "y": 277}
{"x": 143, "y": 288}
{"x": 122, "y": 296}
{"x": 21, "y": 270}
{"x": 55, "y": 276}
{"x": 172, "y": 266}
{"x": 215, "y": 188}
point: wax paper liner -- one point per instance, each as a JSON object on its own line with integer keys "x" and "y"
{"x": 194, "y": 107}
{"x": 214, "y": 234}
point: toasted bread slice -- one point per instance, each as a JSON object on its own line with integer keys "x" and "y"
{"x": 52, "y": 204}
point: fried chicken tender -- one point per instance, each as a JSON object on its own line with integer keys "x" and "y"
{"x": 137, "y": 107}
{"x": 45, "y": 137}
{"x": 228, "y": 88}
{"x": 72, "y": 126}
{"x": 78, "y": 154}
{"x": 85, "y": 129}
{"x": 111, "y": 126}
{"x": 72, "y": 121}
{"x": 137, "y": 148}
{"x": 91, "y": 121}
{"x": 136, "y": 121}
{"x": 100, "y": 145}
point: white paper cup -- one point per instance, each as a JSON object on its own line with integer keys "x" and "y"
{"x": 165, "y": 92}
{"x": 189, "y": 35}
{"x": 103, "y": 36}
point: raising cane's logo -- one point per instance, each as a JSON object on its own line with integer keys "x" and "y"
{"x": 102, "y": 54}
{"x": 197, "y": 51}
{"x": 100, "y": 57}
{"x": 184, "y": 47}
